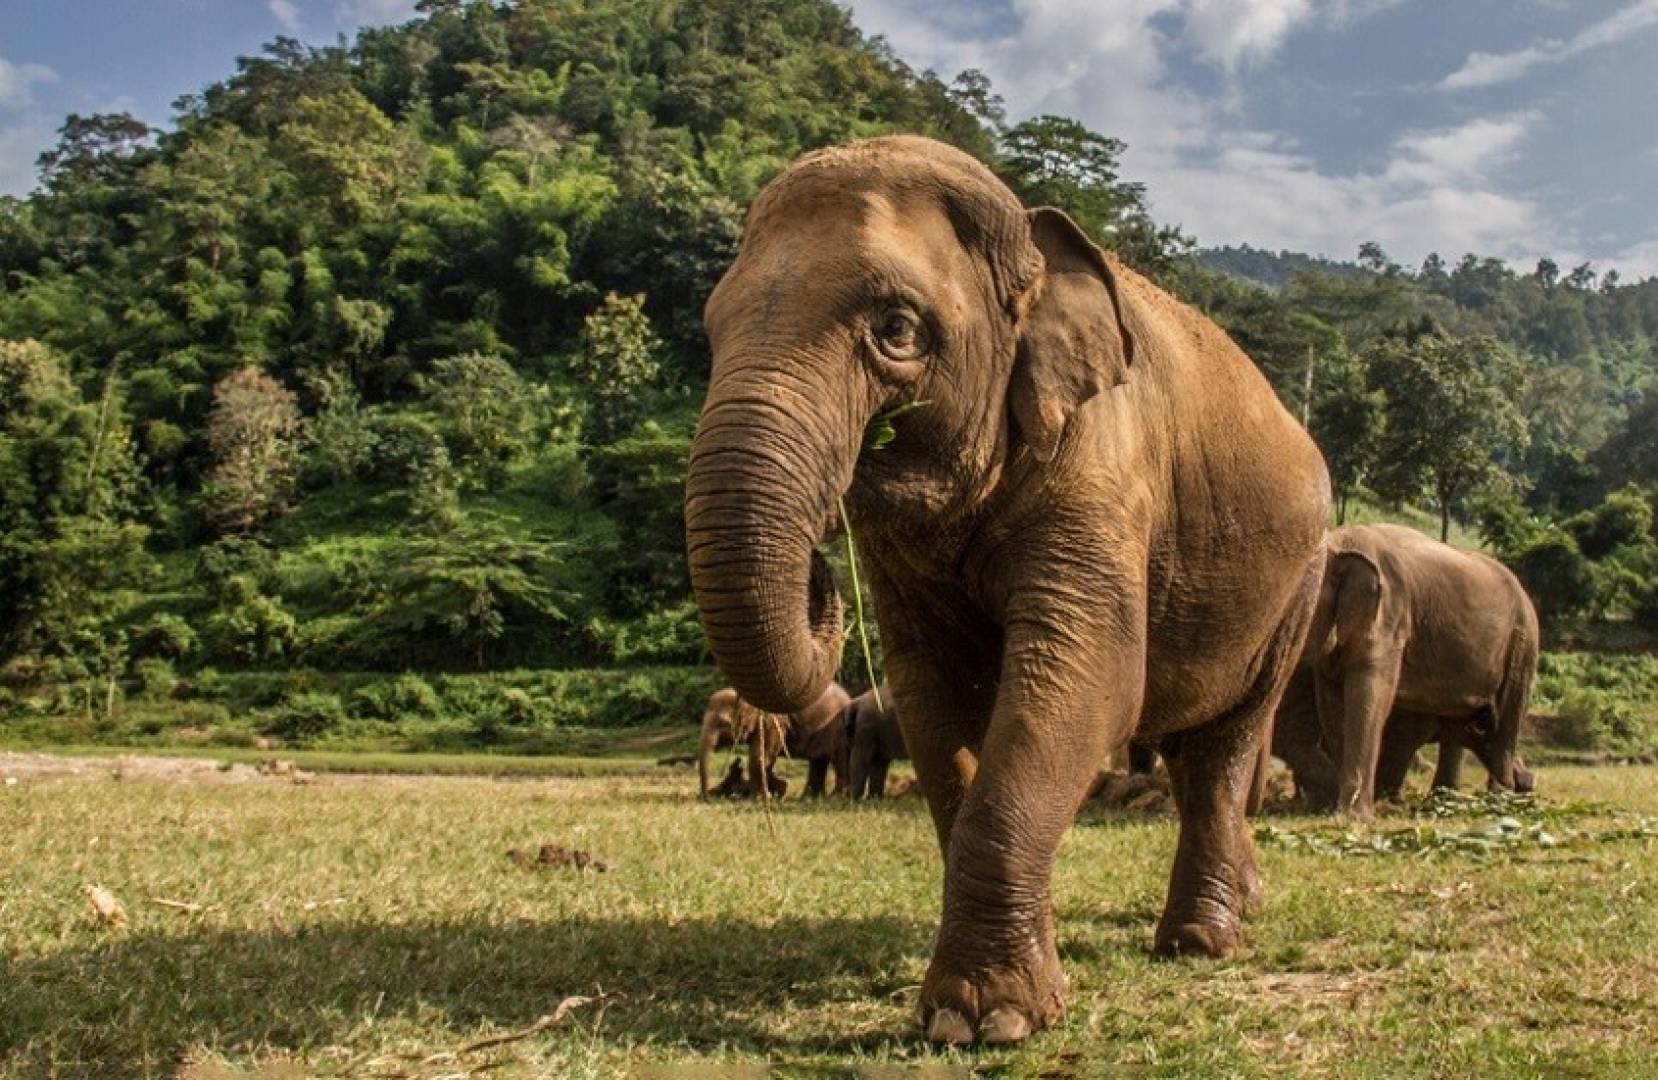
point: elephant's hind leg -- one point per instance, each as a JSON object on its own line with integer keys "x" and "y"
{"x": 1215, "y": 881}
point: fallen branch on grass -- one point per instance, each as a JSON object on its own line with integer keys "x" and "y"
{"x": 564, "y": 1008}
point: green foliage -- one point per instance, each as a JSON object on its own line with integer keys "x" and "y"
{"x": 1450, "y": 416}
{"x": 617, "y": 363}
{"x": 448, "y": 277}
{"x": 1624, "y": 519}
{"x": 465, "y": 587}
{"x": 165, "y": 636}
{"x": 157, "y": 680}
{"x": 303, "y": 717}
{"x": 1560, "y": 581}
{"x": 1594, "y": 719}
{"x": 250, "y": 627}
{"x": 489, "y": 414}
{"x": 397, "y": 698}
{"x": 640, "y": 482}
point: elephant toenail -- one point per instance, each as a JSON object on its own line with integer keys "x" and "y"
{"x": 1005, "y": 1026}
{"x": 950, "y": 1027}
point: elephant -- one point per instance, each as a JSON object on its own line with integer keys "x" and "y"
{"x": 1413, "y": 641}
{"x": 875, "y": 739}
{"x": 812, "y": 734}
{"x": 1081, "y": 513}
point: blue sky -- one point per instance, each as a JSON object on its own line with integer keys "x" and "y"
{"x": 1506, "y": 127}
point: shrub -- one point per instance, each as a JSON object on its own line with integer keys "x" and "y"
{"x": 217, "y": 565}
{"x": 1592, "y": 719}
{"x": 405, "y": 443}
{"x": 250, "y": 626}
{"x": 1646, "y": 609}
{"x": 394, "y": 699}
{"x": 1624, "y": 518}
{"x": 165, "y": 636}
{"x": 305, "y": 716}
{"x": 156, "y": 679}
{"x": 1560, "y": 580}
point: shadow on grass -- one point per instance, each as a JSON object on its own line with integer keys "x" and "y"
{"x": 137, "y": 1003}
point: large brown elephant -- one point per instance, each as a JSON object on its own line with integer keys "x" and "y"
{"x": 875, "y": 741}
{"x": 813, "y": 734}
{"x": 1096, "y": 521}
{"x": 1413, "y": 641}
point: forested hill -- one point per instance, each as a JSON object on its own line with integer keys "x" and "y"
{"x": 1271, "y": 269}
{"x": 384, "y": 355}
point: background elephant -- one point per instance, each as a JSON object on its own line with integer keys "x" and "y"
{"x": 727, "y": 721}
{"x": 876, "y": 742}
{"x": 1413, "y": 641}
{"x": 1094, "y": 521}
{"x": 813, "y": 735}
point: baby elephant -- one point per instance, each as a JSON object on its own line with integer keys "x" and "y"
{"x": 876, "y": 742}
{"x": 1413, "y": 641}
{"x": 813, "y": 734}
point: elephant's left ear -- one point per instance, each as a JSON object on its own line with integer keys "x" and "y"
{"x": 1074, "y": 342}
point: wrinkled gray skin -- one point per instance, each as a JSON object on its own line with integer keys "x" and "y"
{"x": 1101, "y": 524}
{"x": 876, "y": 742}
{"x": 1413, "y": 642}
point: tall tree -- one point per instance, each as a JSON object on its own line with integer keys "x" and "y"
{"x": 1450, "y": 417}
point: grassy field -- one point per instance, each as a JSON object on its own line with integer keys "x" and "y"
{"x": 358, "y": 925}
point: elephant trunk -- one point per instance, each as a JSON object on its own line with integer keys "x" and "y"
{"x": 760, "y": 492}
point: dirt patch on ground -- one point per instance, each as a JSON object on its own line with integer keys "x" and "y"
{"x": 19, "y": 767}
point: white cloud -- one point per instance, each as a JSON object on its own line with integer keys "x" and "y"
{"x": 1489, "y": 69}
{"x": 1438, "y": 189}
{"x": 19, "y": 147}
{"x": 1434, "y": 194}
{"x": 1637, "y": 261}
{"x": 1232, "y": 32}
{"x": 17, "y": 83}
{"x": 285, "y": 12}
{"x": 355, "y": 12}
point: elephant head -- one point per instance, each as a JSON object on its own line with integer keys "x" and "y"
{"x": 886, "y": 272}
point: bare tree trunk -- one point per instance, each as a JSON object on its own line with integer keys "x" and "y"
{"x": 1307, "y": 389}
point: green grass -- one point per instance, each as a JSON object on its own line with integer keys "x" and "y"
{"x": 374, "y": 926}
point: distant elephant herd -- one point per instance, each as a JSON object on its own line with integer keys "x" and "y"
{"x": 857, "y": 738}
{"x": 1086, "y": 523}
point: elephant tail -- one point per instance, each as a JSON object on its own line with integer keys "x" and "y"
{"x": 1513, "y": 697}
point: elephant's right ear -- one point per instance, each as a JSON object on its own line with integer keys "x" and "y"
{"x": 1073, "y": 340}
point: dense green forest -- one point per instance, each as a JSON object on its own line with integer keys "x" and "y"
{"x": 384, "y": 358}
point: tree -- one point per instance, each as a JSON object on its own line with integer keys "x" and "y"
{"x": 488, "y": 412}
{"x": 70, "y": 492}
{"x": 617, "y": 362}
{"x": 93, "y": 149}
{"x": 1347, "y": 419}
{"x": 252, "y": 431}
{"x": 1449, "y": 417}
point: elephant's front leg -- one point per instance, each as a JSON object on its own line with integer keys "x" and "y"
{"x": 1068, "y": 694}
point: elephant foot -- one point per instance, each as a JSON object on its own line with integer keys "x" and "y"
{"x": 1204, "y": 925}
{"x": 995, "y": 1006}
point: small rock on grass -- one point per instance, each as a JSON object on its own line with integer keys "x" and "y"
{"x": 105, "y": 905}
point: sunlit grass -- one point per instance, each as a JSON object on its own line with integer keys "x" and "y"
{"x": 362, "y": 925}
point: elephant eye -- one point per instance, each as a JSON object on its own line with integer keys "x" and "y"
{"x": 900, "y": 335}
